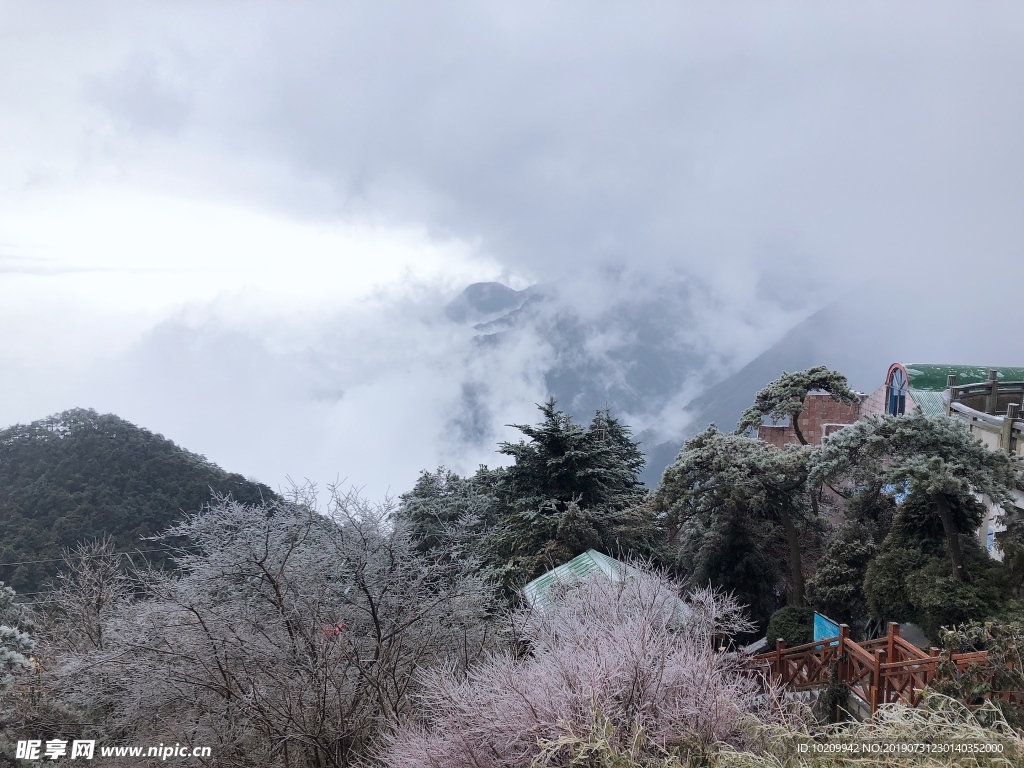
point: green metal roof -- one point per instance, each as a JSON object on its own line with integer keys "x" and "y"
{"x": 582, "y": 566}
{"x": 579, "y": 567}
{"x": 929, "y": 402}
{"x": 932, "y": 378}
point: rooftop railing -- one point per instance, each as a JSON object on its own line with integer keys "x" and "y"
{"x": 991, "y": 405}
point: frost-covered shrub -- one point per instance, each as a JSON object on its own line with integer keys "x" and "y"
{"x": 287, "y": 637}
{"x": 15, "y": 643}
{"x": 626, "y": 665}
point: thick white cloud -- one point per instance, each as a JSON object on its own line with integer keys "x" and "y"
{"x": 235, "y": 222}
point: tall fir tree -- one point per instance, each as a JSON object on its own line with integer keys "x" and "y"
{"x": 569, "y": 488}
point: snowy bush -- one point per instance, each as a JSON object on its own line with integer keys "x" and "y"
{"x": 626, "y": 665}
{"x": 288, "y": 637}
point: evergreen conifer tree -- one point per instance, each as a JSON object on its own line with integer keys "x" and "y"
{"x": 16, "y": 645}
{"x": 930, "y": 567}
{"x": 569, "y": 488}
{"x": 937, "y": 462}
{"x": 720, "y": 481}
{"x": 448, "y": 513}
{"x": 837, "y": 587}
{"x": 785, "y": 397}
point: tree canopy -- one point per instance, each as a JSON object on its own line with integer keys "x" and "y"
{"x": 941, "y": 466}
{"x": 286, "y": 636}
{"x": 444, "y": 511}
{"x": 926, "y": 475}
{"x": 570, "y": 488}
{"x": 81, "y": 475}
{"x": 722, "y": 482}
{"x": 15, "y": 642}
{"x": 784, "y": 397}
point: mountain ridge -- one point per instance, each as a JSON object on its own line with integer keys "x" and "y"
{"x": 81, "y": 475}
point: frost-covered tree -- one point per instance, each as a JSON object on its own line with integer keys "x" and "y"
{"x": 597, "y": 466}
{"x": 16, "y": 644}
{"x": 940, "y": 465}
{"x": 449, "y": 513}
{"x": 910, "y": 579}
{"x": 721, "y": 481}
{"x": 90, "y": 591}
{"x": 288, "y": 637}
{"x": 569, "y": 488}
{"x": 837, "y": 587}
{"x": 16, "y": 647}
{"x": 929, "y": 567}
{"x": 785, "y": 397}
{"x": 618, "y": 673}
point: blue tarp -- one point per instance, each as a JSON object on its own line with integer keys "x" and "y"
{"x": 824, "y": 627}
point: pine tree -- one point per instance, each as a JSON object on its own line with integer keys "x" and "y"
{"x": 785, "y": 397}
{"x": 718, "y": 477}
{"x": 569, "y": 488}
{"x": 930, "y": 568}
{"x": 730, "y": 558}
{"x": 937, "y": 462}
{"x": 837, "y": 587}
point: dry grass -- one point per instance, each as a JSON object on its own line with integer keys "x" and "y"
{"x": 944, "y": 724}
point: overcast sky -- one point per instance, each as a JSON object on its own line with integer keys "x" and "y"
{"x": 236, "y": 223}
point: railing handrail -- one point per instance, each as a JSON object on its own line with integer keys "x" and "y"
{"x": 868, "y": 671}
{"x": 910, "y": 648}
{"x": 984, "y": 387}
{"x": 794, "y": 649}
{"x": 992, "y": 420}
{"x": 927, "y": 661}
{"x": 854, "y": 649}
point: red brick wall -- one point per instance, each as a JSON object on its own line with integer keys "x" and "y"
{"x": 875, "y": 404}
{"x": 777, "y": 436}
{"x": 820, "y": 411}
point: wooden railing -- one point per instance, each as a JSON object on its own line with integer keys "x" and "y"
{"x": 885, "y": 670}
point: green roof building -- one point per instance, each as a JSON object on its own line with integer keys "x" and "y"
{"x": 926, "y": 382}
{"x": 581, "y": 566}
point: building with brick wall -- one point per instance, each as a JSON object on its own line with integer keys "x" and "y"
{"x": 988, "y": 400}
{"x": 821, "y": 417}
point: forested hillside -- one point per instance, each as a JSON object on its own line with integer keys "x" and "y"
{"x": 82, "y": 475}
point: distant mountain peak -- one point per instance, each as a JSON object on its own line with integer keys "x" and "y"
{"x": 483, "y": 301}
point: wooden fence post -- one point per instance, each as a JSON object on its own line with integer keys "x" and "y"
{"x": 877, "y": 681}
{"x": 890, "y": 644}
{"x": 780, "y": 646}
{"x": 932, "y": 670}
